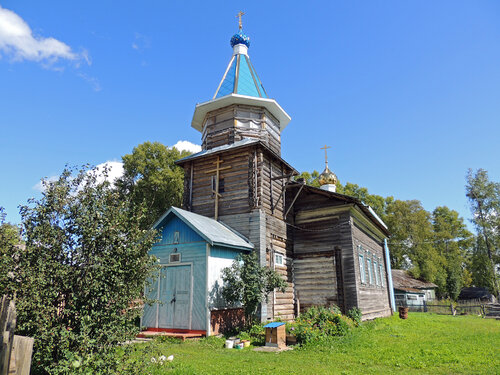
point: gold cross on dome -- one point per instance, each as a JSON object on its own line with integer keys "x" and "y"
{"x": 239, "y": 16}
{"x": 326, "y": 155}
{"x": 217, "y": 171}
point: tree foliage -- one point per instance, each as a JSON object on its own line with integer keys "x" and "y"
{"x": 309, "y": 178}
{"x": 151, "y": 177}
{"x": 85, "y": 263}
{"x": 247, "y": 282}
{"x": 484, "y": 200}
{"x": 377, "y": 202}
{"x": 10, "y": 245}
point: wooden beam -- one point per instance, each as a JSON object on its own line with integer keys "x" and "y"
{"x": 294, "y": 199}
{"x": 217, "y": 171}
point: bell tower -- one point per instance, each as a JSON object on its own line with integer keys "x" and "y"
{"x": 240, "y": 108}
{"x": 239, "y": 177}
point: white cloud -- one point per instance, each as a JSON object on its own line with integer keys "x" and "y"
{"x": 188, "y": 146}
{"x": 18, "y": 43}
{"x": 114, "y": 171}
{"x": 141, "y": 42}
{"x": 39, "y": 185}
{"x": 92, "y": 81}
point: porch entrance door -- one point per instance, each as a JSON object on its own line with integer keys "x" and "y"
{"x": 175, "y": 295}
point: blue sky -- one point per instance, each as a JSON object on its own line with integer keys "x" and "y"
{"x": 407, "y": 93}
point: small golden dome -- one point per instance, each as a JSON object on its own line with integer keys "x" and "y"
{"x": 327, "y": 177}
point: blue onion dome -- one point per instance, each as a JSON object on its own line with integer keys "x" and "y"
{"x": 240, "y": 38}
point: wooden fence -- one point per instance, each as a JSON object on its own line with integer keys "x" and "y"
{"x": 460, "y": 308}
{"x": 15, "y": 353}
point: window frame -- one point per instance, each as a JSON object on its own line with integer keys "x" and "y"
{"x": 283, "y": 259}
{"x": 370, "y": 270}
{"x": 362, "y": 271}
{"x": 381, "y": 268}
{"x": 174, "y": 261}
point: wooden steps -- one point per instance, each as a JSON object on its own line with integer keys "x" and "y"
{"x": 182, "y": 335}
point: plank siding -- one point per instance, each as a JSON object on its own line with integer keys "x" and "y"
{"x": 373, "y": 299}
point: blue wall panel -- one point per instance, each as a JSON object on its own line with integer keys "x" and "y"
{"x": 195, "y": 254}
{"x": 174, "y": 224}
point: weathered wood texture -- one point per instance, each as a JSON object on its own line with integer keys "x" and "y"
{"x": 236, "y": 122}
{"x": 373, "y": 299}
{"x": 234, "y": 195}
{"x": 315, "y": 281}
{"x": 8, "y": 317}
{"x": 326, "y": 226}
{"x": 278, "y": 243}
{"x": 21, "y": 354}
{"x": 226, "y": 320}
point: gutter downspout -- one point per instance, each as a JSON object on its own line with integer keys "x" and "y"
{"x": 389, "y": 275}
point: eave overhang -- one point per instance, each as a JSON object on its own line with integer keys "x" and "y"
{"x": 271, "y": 105}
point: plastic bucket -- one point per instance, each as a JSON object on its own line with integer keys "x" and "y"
{"x": 229, "y": 344}
{"x": 239, "y": 346}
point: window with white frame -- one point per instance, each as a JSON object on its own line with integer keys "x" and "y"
{"x": 279, "y": 259}
{"x": 370, "y": 272}
{"x": 381, "y": 267}
{"x": 362, "y": 273}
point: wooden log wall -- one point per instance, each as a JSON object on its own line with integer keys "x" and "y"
{"x": 278, "y": 243}
{"x": 373, "y": 299}
{"x": 272, "y": 199}
{"x": 236, "y": 122}
{"x": 234, "y": 199}
{"x": 315, "y": 276}
{"x": 322, "y": 251}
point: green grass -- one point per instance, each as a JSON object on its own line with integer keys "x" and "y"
{"x": 423, "y": 344}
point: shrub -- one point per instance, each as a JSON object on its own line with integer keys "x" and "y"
{"x": 355, "y": 314}
{"x": 86, "y": 260}
{"x": 247, "y": 282}
{"x": 318, "y": 323}
{"x": 255, "y": 333}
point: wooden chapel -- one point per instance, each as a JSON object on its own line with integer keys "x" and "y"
{"x": 239, "y": 195}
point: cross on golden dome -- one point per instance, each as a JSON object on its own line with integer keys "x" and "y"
{"x": 326, "y": 155}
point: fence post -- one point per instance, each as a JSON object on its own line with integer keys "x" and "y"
{"x": 453, "y": 312}
{"x": 7, "y": 327}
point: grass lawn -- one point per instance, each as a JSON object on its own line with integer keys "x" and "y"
{"x": 423, "y": 344}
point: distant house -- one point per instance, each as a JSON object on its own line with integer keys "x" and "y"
{"x": 410, "y": 291}
{"x": 475, "y": 293}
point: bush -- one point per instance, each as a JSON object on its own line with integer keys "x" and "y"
{"x": 355, "y": 314}
{"x": 86, "y": 261}
{"x": 255, "y": 333}
{"x": 247, "y": 282}
{"x": 318, "y": 323}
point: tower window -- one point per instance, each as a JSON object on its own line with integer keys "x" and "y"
{"x": 221, "y": 184}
